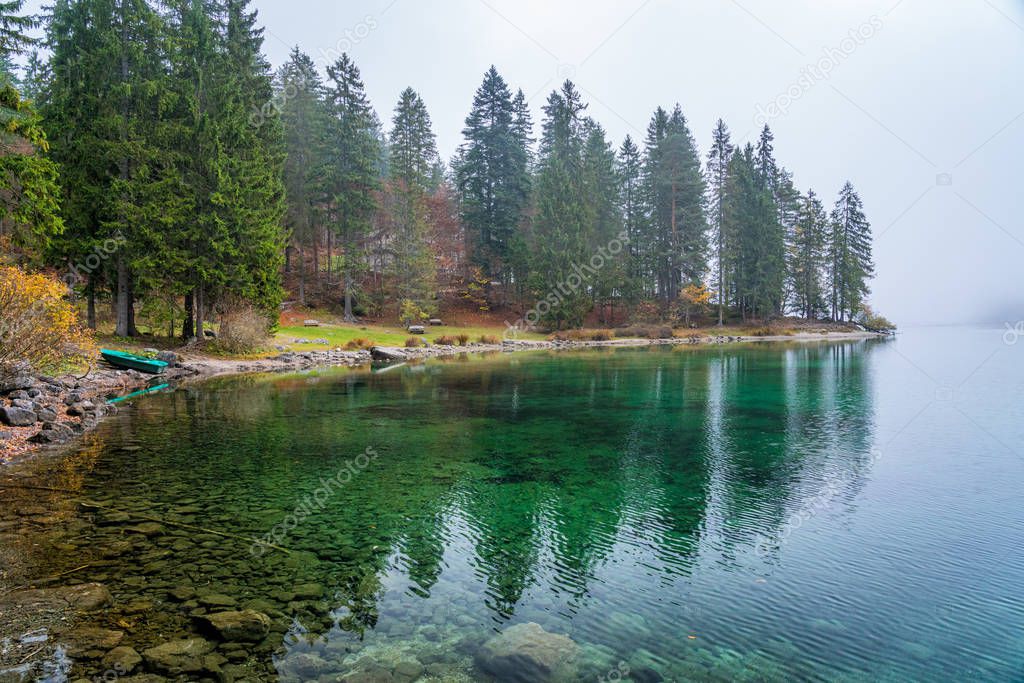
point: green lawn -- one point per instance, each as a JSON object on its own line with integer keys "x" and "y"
{"x": 339, "y": 335}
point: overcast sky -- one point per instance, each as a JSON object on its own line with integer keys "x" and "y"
{"x": 920, "y": 104}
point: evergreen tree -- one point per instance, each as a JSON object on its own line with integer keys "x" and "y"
{"x": 14, "y": 28}
{"x": 807, "y": 256}
{"x": 849, "y": 255}
{"x": 300, "y": 96}
{"x": 564, "y": 218}
{"x": 492, "y": 174}
{"x": 677, "y": 205}
{"x": 413, "y": 170}
{"x": 718, "y": 172}
{"x": 102, "y": 113}
{"x": 632, "y": 207}
{"x": 601, "y": 187}
{"x": 352, "y": 160}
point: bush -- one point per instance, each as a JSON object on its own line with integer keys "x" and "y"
{"x": 360, "y": 343}
{"x": 489, "y": 339}
{"x": 463, "y": 339}
{"x": 581, "y": 335}
{"x": 37, "y": 325}
{"x": 413, "y": 342}
{"x": 867, "y": 317}
{"x": 243, "y": 329}
{"x": 446, "y": 340}
{"x": 645, "y": 332}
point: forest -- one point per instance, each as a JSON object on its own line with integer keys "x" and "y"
{"x": 158, "y": 164}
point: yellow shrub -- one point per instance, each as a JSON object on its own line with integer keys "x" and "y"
{"x": 38, "y": 325}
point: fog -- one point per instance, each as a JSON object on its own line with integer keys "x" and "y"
{"x": 919, "y": 105}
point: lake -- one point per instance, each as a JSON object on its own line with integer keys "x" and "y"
{"x": 844, "y": 511}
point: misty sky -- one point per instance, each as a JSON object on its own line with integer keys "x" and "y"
{"x": 923, "y": 111}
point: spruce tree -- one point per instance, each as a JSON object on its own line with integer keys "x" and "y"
{"x": 564, "y": 217}
{"x": 351, "y": 166}
{"x": 492, "y": 175}
{"x": 849, "y": 255}
{"x": 718, "y": 172}
{"x": 633, "y": 209}
{"x": 677, "y": 205}
{"x": 300, "y": 96}
{"x": 413, "y": 170}
{"x": 807, "y": 256}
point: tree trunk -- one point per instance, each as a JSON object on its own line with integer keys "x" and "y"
{"x": 121, "y": 328}
{"x": 288, "y": 259}
{"x": 187, "y": 330}
{"x": 349, "y": 317}
{"x": 132, "y": 330}
{"x": 302, "y": 277}
{"x": 90, "y": 293}
{"x": 199, "y": 303}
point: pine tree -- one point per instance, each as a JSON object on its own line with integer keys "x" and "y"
{"x": 300, "y": 96}
{"x": 102, "y": 112}
{"x": 352, "y": 160}
{"x": 849, "y": 255}
{"x": 601, "y": 187}
{"x": 632, "y": 207}
{"x": 718, "y": 172}
{"x": 492, "y": 174}
{"x": 564, "y": 219}
{"x": 413, "y": 170}
{"x": 807, "y": 256}
{"x": 14, "y": 28}
{"x": 676, "y": 192}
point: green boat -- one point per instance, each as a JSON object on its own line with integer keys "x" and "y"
{"x": 133, "y": 362}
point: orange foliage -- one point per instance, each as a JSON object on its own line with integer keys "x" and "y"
{"x": 38, "y": 325}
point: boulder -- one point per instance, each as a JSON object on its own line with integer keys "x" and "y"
{"x": 17, "y": 417}
{"x": 526, "y": 652}
{"x": 178, "y": 656}
{"x": 247, "y": 626}
{"x": 436, "y": 322}
{"x": 53, "y": 432}
{"x": 85, "y": 597}
{"x": 168, "y": 357}
{"x": 16, "y": 382}
{"x": 122, "y": 660}
{"x": 86, "y": 641}
{"x": 47, "y": 415}
{"x": 417, "y": 329}
{"x": 384, "y": 353}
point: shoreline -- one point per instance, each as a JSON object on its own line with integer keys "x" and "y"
{"x": 58, "y": 411}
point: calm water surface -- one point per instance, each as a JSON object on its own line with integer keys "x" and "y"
{"x": 833, "y": 512}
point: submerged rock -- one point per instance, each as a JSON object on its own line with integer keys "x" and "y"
{"x": 528, "y": 653}
{"x": 245, "y": 626}
{"x": 88, "y": 641}
{"x": 179, "y": 656}
{"x": 85, "y": 597}
{"x": 122, "y": 659}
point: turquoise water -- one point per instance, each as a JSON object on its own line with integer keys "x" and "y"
{"x": 833, "y": 512}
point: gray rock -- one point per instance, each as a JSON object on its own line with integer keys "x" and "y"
{"x": 85, "y": 640}
{"x": 86, "y": 597}
{"x": 122, "y": 660}
{"x": 73, "y": 398}
{"x": 23, "y": 403}
{"x": 46, "y": 415}
{"x": 167, "y": 357}
{"x": 384, "y": 353}
{"x": 246, "y": 626}
{"x": 178, "y": 656}
{"x": 20, "y": 381}
{"x": 17, "y": 417}
{"x": 19, "y": 393}
{"x": 417, "y": 329}
{"x": 528, "y": 653}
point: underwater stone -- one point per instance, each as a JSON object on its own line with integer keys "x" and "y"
{"x": 244, "y": 626}
{"x": 526, "y": 652}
